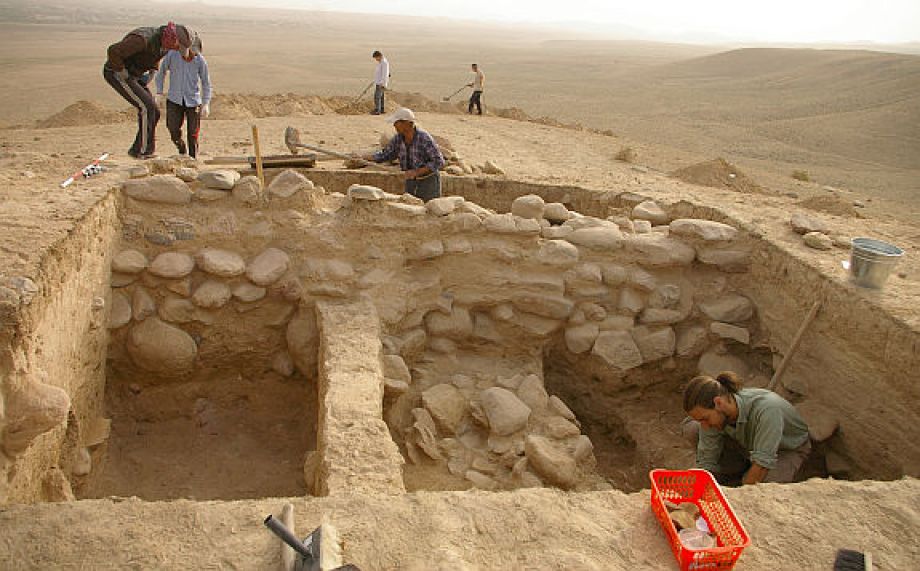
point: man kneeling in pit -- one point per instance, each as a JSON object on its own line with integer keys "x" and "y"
{"x": 744, "y": 436}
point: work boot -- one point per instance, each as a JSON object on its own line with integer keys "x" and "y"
{"x": 181, "y": 146}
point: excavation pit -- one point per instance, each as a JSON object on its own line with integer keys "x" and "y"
{"x": 316, "y": 338}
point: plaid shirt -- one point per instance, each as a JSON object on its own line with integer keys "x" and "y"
{"x": 423, "y": 152}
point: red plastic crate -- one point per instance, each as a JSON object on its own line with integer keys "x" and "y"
{"x": 699, "y": 487}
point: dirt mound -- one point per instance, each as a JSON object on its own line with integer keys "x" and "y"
{"x": 84, "y": 113}
{"x": 831, "y": 205}
{"x": 247, "y": 106}
{"x": 718, "y": 173}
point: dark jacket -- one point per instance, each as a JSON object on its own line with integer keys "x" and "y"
{"x": 139, "y": 52}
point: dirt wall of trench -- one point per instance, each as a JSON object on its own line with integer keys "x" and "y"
{"x": 52, "y": 362}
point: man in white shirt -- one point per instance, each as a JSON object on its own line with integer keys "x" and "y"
{"x": 381, "y": 81}
{"x": 185, "y": 102}
{"x": 479, "y": 79}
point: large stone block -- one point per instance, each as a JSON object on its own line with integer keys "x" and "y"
{"x": 166, "y": 189}
{"x": 158, "y": 347}
{"x": 617, "y": 349}
{"x": 506, "y": 413}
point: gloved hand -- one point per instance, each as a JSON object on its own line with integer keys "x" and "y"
{"x": 205, "y": 111}
{"x": 160, "y": 99}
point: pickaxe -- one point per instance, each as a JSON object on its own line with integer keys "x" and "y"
{"x": 292, "y": 142}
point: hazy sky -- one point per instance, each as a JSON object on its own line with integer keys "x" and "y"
{"x": 750, "y": 20}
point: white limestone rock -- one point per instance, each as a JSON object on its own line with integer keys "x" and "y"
{"x": 187, "y": 174}
{"x": 649, "y": 210}
{"x": 248, "y": 190}
{"x": 556, "y": 232}
{"x": 532, "y": 393}
{"x": 559, "y": 428}
{"x": 444, "y": 205}
{"x": 691, "y": 341}
{"x": 161, "y": 348}
{"x": 705, "y": 230}
{"x": 365, "y": 193}
{"x": 654, "y": 343}
{"x": 657, "y": 250}
{"x": 506, "y": 413}
{"x": 220, "y": 179}
{"x": 491, "y": 167}
{"x": 120, "y": 313}
{"x": 605, "y": 238}
{"x": 617, "y": 349}
{"x": 267, "y": 267}
{"x": 529, "y": 206}
{"x": 580, "y": 338}
{"x": 129, "y": 262}
{"x": 446, "y": 405}
{"x": 630, "y": 301}
{"x": 614, "y": 274}
{"x": 554, "y": 307}
{"x": 558, "y": 254}
{"x": 733, "y": 332}
{"x": 212, "y": 294}
{"x": 731, "y": 308}
{"x": 556, "y": 212}
{"x": 558, "y": 407}
{"x": 172, "y": 265}
{"x": 164, "y": 189}
{"x": 222, "y": 263}
{"x": 248, "y": 293}
{"x": 289, "y": 183}
{"x": 551, "y": 461}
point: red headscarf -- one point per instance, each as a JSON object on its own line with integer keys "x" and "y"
{"x": 169, "y": 39}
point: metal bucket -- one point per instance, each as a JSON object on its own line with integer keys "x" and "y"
{"x": 871, "y": 261}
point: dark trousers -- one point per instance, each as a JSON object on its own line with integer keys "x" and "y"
{"x": 425, "y": 188}
{"x": 134, "y": 91}
{"x": 176, "y": 115}
{"x": 476, "y": 99}
{"x": 378, "y": 98}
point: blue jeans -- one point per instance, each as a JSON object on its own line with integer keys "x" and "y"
{"x": 425, "y": 188}
{"x": 378, "y": 98}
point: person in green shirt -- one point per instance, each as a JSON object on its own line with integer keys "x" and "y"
{"x": 752, "y": 434}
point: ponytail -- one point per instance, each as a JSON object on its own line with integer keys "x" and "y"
{"x": 701, "y": 391}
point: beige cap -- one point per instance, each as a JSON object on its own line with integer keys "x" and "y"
{"x": 402, "y": 114}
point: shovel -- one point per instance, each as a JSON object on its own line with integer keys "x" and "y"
{"x": 448, "y": 98}
{"x": 356, "y": 99}
{"x": 292, "y": 141}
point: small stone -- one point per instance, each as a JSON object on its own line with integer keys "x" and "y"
{"x": 818, "y": 241}
{"x": 172, "y": 265}
{"x": 221, "y": 179}
{"x": 288, "y": 183}
{"x": 221, "y": 263}
{"x": 649, "y": 210}
{"x": 212, "y": 294}
{"x": 268, "y": 266}
{"x": 248, "y": 293}
{"x": 803, "y": 224}
{"x": 529, "y": 206}
{"x": 248, "y": 190}
{"x": 365, "y": 192}
{"x": 129, "y": 262}
{"x": 186, "y": 174}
